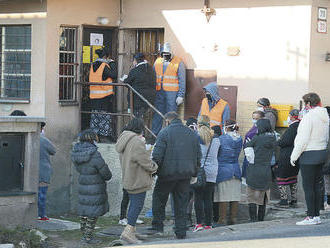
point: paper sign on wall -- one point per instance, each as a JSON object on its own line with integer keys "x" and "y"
{"x": 95, "y": 56}
{"x": 86, "y": 54}
{"x": 96, "y": 39}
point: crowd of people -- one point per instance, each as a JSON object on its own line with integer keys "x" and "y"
{"x": 198, "y": 163}
{"x": 195, "y": 161}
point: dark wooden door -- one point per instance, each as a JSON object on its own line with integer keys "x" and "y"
{"x": 196, "y": 80}
{"x": 11, "y": 162}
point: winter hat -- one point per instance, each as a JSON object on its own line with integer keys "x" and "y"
{"x": 264, "y": 102}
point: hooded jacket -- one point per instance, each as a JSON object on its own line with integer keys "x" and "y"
{"x": 312, "y": 133}
{"x": 259, "y": 175}
{"x": 272, "y": 115}
{"x": 213, "y": 89}
{"x": 177, "y": 152}
{"x": 137, "y": 168}
{"x": 93, "y": 174}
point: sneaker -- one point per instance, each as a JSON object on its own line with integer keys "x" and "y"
{"x": 208, "y": 227}
{"x": 123, "y": 222}
{"x": 317, "y": 219}
{"x": 138, "y": 221}
{"x": 326, "y": 207}
{"x": 43, "y": 218}
{"x": 198, "y": 227}
{"x": 307, "y": 221}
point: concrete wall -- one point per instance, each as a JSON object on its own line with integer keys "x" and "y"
{"x": 320, "y": 45}
{"x": 63, "y": 122}
{"x": 37, "y": 20}
{"x": 273, "y": 38}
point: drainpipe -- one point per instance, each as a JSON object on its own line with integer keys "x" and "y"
{"x": 120, "y": 90}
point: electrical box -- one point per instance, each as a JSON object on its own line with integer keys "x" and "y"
{"x": 283, "y": 113}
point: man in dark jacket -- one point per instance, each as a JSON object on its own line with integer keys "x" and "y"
{"x": 177, "y": 153}
{"x": 143, "y": 79}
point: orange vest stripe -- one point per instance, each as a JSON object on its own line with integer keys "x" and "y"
{"x": 99, "y": 91}
{"x": 168, "y": 79}
{"x": 216, "y": 112}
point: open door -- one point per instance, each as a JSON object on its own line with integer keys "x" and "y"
{"x": 95, "y": 37}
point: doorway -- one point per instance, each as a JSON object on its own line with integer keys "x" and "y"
{"x": 93, "y": 38}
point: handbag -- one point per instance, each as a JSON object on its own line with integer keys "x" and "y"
{"x": 201, "y": 176}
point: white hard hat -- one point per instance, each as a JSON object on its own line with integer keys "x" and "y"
{"x": 166, "y": 48}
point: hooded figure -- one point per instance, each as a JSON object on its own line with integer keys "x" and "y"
{"x": 93, "y": 174}
{"x": 259, "y": 174}
{"x": 213, "y": 106}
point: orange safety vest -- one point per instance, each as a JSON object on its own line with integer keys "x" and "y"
{"x": 99, "y": 91}
{"x": 169, "y": 78}
{"x": 216, "y": 112}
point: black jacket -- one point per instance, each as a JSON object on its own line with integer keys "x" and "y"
{"x": 177, "y": 152}
{"x": 143, "y": 79}
{"x": 286, "y": 143}
{"x": 259, "y": 174}
{"x": 93, "y": 174}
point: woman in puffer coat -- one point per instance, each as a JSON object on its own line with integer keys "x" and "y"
{"x": 92, "y": 191}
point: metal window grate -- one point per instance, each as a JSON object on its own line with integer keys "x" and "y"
{"x": 149, "y": 42}
{"x": 15, "y": 61}
{"x": 68, "y": 65}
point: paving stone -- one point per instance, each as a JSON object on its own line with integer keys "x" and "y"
{"x": 57, "y": 225}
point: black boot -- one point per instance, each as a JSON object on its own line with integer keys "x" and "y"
{"x": 253, "y": 212}
{"x": 261, "y": 212}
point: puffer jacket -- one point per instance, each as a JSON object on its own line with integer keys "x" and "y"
{"x": 231, "y": 146}
{"x": 93, "y": 174}
{"x": 177, "y": 152}
{"x": 137, "y": 168}
{"x": 312, "y": 133}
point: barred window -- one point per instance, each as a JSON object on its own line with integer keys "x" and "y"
{"x": 68, "y": 64}
{"x": 15, "y": 62}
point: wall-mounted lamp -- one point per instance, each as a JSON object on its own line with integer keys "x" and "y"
{"x": 208, "y": 12}
{"x": 102, "y": 20}
{"x": 327, "y": 57}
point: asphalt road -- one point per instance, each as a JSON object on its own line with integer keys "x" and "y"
{"x": 269, "y": 234}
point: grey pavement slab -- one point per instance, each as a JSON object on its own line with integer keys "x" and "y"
{"x": 57, "y": 225}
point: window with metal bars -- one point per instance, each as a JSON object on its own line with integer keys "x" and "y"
{"x": 68, "y": 64}
{"x": 15, "y": 62}
{"x": 149, "y": 42}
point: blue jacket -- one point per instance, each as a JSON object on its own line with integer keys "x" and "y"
{"x": 230, "y": 148}
{"x": 47, "y": 149}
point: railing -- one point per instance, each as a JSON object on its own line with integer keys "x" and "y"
{"x": 131, "y": 91}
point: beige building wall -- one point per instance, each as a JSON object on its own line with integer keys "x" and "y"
{"x": 273, "y": 38}
{"x": 320, "y": 45}
{"x": 63, "y": 122}
{"x": 36, "y": 106}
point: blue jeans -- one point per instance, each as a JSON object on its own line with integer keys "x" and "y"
{"x": 165, "y": 102}
{"x": 136, "y": 202}
{"x": 42, "y": 192}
